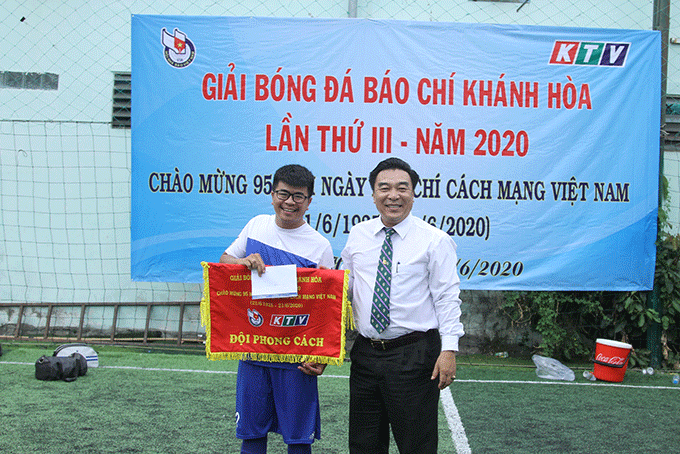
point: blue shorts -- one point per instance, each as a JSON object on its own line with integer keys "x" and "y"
{"x": 274, "y": 399}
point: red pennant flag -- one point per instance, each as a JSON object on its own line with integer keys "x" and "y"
{"x": 307, "y": 328}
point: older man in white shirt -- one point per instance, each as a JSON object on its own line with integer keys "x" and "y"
{"x": 405, "y": 296}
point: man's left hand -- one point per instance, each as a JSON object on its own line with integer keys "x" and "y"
{"x": 445, "y": 368}
{"x": 313, "y": 369}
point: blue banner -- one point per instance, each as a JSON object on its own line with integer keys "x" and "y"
{"x": 538, "y": 147}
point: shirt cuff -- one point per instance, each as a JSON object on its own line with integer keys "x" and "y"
{"x": 450, "y": 342}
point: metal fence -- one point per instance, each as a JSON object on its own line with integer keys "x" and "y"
{"x": 65, "y": 162}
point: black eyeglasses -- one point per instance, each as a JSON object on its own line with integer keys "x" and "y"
{"x": 298, "y": 197}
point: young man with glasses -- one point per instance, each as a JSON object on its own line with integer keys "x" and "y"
{"x": 272, "y": 396}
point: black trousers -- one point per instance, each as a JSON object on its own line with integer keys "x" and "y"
{"x": 393, "y": 388}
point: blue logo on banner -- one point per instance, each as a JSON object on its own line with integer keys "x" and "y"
{"x": 179, "y": 50}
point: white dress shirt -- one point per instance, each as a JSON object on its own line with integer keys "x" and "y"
{"x": 425, "y": 285}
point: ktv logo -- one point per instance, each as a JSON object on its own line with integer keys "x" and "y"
{"x": 289, "y": 320}
{"x": 589, "y": 53}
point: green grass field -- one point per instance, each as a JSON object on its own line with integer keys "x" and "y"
{"x": 150, "y": 401}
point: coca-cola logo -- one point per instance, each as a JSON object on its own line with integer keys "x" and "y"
{"x": 613, "y": 360}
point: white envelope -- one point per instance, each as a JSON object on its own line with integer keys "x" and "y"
{"x": 276, "y": 282}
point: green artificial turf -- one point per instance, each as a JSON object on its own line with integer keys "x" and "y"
{"x": 145, "y": 400}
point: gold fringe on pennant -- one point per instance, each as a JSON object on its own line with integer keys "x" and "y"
{"x": 205, "y": 307}
{"x": 277, "y": 358}
{"x": 347, "y": 314}
{"x": 346, "y": 317}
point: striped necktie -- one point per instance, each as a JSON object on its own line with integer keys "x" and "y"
{"x": 380, "y": 312}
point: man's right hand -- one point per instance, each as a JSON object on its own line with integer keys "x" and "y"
{"x": 252, "y": 262}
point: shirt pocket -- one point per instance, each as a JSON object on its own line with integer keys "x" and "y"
{"x": 407, "y": 277}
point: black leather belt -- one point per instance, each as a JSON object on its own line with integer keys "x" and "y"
{"x": 388, "y": 344}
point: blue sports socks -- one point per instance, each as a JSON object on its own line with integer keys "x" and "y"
{"x": 259, "y": 446}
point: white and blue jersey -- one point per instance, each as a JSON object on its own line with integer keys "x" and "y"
{"x": 274, "y": 244}
{"x": 273, "y": 396}
{"x": 303, "y": 246}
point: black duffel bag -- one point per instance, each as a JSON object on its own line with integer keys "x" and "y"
{"x": 66, "y": 368}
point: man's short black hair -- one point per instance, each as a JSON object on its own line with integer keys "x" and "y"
{"x": 297, "y": 176}
{"x": 393, "y": 163}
